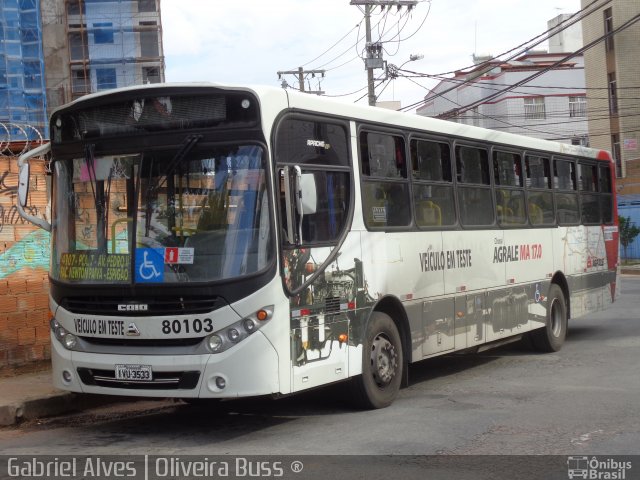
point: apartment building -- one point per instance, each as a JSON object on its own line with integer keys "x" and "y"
{"x": 94, "y": 45}
{"x": 612, "y": 69}
{"x": 22, "y": 86}
{"x": 552, "y": 106}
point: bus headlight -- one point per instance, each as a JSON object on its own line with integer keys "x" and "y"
{"x": 233, "y": 334}
{"x": 214, "y": 342}
{"x": 249, "y": 325}
{"x": 68, "y": 340}
{"x": 236, "y": 332}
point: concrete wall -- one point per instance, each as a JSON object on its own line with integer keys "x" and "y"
{"x": 24, "y": 261}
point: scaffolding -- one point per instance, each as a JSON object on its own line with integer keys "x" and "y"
{"x": 22, "y": 85}
{"x": 112, "y": 44}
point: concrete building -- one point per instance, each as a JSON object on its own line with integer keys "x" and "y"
{"x": 22, "y": 87}
{"x": 551, "y": 106}
{"x": 93, "y": 45}
{"x": 613, "y": 81}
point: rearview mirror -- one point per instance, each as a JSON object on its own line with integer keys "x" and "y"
{"x": 23, "y": 184}
{"x": 306, "y": 193}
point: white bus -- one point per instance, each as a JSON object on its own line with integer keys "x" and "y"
{"x": 225, "y": 241}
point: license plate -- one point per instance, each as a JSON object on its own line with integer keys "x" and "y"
{"x": 139, "y": 373}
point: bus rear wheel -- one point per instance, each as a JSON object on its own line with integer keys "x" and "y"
{"x": 382, "y": 363}
{"x": 551, "y": 337}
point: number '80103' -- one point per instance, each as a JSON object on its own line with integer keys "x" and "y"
{"x": 187, "y": 325}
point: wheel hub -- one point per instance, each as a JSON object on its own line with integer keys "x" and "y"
{"x": 383, "y": 360}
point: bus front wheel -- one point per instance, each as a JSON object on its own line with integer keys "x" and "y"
{"x": 551, "y": 337}
{"x": 382, "y": 364}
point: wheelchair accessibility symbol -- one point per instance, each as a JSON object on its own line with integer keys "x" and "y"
{"x": 149, "y": 265}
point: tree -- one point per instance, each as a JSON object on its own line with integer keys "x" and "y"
{"x": 628, "y": 232}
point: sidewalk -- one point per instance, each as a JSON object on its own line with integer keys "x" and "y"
{"x": 32, "y": 395}
{"x": 630, "y": 269}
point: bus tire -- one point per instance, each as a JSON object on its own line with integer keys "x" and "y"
{"x": 551, "y": 337}
{"x": 382, "y": 363}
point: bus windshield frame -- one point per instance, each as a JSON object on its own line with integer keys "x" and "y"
{"x": 160, "y": 203}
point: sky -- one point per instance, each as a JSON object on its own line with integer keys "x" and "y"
{"x": 249, "y": 41}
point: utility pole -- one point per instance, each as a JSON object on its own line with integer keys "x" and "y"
{"x": 302, "y": 74}
{"x": 374, "y": 50}
{"x": 369, "y": 64}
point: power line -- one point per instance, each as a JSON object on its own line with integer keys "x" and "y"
{"x": 551, "y": 67}
{"x": 334, "y": 45}
{"x": 540, "y": 38}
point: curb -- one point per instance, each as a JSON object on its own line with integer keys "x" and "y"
{"x": 630, "y": 271}
{"x": 53, "y": 404}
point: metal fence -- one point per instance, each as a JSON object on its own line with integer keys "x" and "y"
{"x": 632, "y": 252}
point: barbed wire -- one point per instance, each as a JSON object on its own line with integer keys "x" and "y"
{"x": 13, "y": 133}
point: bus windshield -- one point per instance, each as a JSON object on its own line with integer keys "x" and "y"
{"x": 185, "y": 214}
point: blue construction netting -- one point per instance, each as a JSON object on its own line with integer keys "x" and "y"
{"x": 22, "y": 84}
{"x": 629, "y": 206}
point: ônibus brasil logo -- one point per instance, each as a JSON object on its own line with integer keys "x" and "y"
{"x": 596, "y": 468}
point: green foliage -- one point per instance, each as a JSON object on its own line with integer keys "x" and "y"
{"x": 628, "y": 232}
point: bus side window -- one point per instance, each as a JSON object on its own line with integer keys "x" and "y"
{"x": 564, "y": 180}
{"x": 475, "y": 197}
{"x": 539, "y": 196}
{"x": 385, "y": 188}
{"x": 432, "y": 183}
{"x": 589, "y": 198}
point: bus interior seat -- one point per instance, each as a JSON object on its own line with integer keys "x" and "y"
{"x": 429, "y": 213}
{"x": 536, "y": 214}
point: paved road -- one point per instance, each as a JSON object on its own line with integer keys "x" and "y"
{"x": 581, "y": 400}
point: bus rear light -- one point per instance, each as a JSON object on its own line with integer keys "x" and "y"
{"x": 343, "y": 337}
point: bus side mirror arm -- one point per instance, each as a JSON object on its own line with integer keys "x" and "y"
{"x": 305, "y": 197}
{"x": 299, "y": 202}
{"x": 23, "y": 186}
{"x": 289, "y": 207}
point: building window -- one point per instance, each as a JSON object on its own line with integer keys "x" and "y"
{"x": 613, "y": 93}
{"x": 577, "y": 106}
{"x": 534, "y": 108}
{"x": 149, "y": 42}
{"x": 151, "y": 75}
{"x": 103, "y": 33}
{"x": 106, "y": 78}
{"x": 75, "y": 7}
{"x": 78, "y": 45}
{"x": 617, "y": 154}
{"x": 146, "y": 5}
{"x": 79, "y": 79}
{"x": 608, "y": 28}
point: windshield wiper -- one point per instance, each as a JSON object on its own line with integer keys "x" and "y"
{"x": 99, "y": 197}
{"x": 186, "y": 146}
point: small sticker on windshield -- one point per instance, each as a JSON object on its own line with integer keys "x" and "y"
{"x": 176, "y": 255}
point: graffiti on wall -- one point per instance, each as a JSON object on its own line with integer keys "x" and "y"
{"x": 32, "y": 251}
